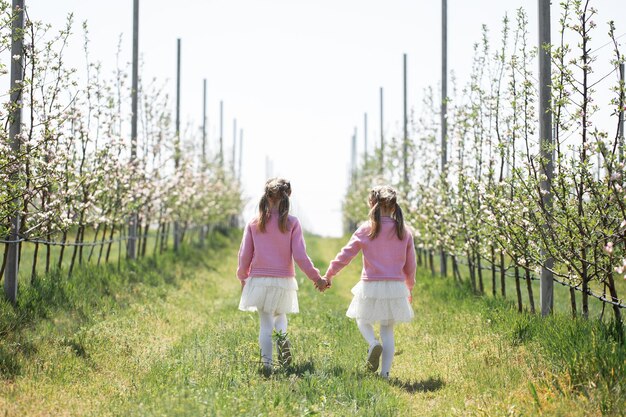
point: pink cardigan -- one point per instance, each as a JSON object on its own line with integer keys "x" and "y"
{"x": 271, "y": 254}
{"x": 384, "y": 258}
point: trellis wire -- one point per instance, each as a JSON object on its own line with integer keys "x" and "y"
{"x": 533, "y": 277}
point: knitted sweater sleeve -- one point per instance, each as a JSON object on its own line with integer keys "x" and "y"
{"x": 246, "y": 252}
{"x": 410, "y": 264}
{"x": 298, "y": 250}
{"x": 344, "y": 257}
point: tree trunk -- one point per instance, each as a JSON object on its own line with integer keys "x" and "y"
{"x": 104, "y": 237}
{"x": 502, "y": 275}
{"x": 33, "y": 271}
{"x": 493, "y": 270}
{"x": 110, "y": 244}
{"x": 470, "y": 264}
{"x": 518, "y": 289}
{"x": 479, "y": 268}
{"x": 93, "y": 246}
{"x": 81, "y": 247}
{"x": 48, "y": 253}
{"x": 616, "y": 311}
{"x": 432, "y": 262}
{"x": 63, "y": 239}
{"x": 529, "y": 287}
{"x": 157, "y": 240}
{"x": 585, "y": 288}
{"x": 144, "y": 242}
{"x": 77, "y": 241}
{"x": 572, "y": 298}
{"x": 4, "y": 260}
{"x": 455, "y": 269}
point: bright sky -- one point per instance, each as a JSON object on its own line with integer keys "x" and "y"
{"x": 297, "y": 75}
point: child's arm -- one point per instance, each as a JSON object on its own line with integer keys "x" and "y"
{"x": 410, "y": 264}
{"x": 246, "y": 251}
{"x": 298, "y": 250}
{"x": 344, "y": 257}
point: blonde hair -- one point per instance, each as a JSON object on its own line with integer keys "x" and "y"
{"x": 384, "y": 196}
{"x": 276, "y": 190}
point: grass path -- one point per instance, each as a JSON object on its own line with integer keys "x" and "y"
{"x": 181, "y": 348}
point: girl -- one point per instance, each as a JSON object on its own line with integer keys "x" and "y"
{"x": 270, "y": 244}
{"x": 384, "y": 292}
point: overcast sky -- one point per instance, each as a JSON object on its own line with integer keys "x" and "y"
{"x": 298, "y": 74}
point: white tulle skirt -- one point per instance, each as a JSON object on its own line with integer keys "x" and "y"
{"x": 270, "y": 295}
{"x": 386, "y": 302}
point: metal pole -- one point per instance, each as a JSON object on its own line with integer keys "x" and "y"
{"x": 240, "y": 153}
{"x": 132, "y": 227}
{"x": 17, "y": 71}
{"x": 405, "y": 143}
{"x": 382, "y": 135}
{"x": 444, "y": 84}
{"x": 365, "y": 136}
{"x": 222, "y": 134}
{"x": 444, "y": 111}
{"x": 621, "y": 113}
{"x": 545, "y": 140}
{"x": 234, "y": 146}
{"x": 177, "y": 147}
{"x": 353, "y": 160}
{"x": 204, "y": 122}
{"x": 204, "y": 227}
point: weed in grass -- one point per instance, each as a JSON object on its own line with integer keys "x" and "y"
{"x": 412, "y": 387}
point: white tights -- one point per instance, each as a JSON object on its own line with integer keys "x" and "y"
{"x": 269, "y": 322}
{"x": 386, "y": 335}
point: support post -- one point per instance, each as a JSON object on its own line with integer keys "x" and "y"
{"x": 365, "y": 136}
{"x": 131, "y": 247}
{"x": 545, "y": 141}
{"x": 233, "y": 166}
{"x": 353, "y": 175}
{"x": 405, "y": 142}
{"x": 382, "y": 135}
{"x": 177, "y": 147}
{"x": 240, "y": 154}
{"x": 17, "y": 73}
{"x": 204, "y": 123}
{"x": 443, "y": 265}
{"x": 621, "y": 113}
{"x": 222, "y": 134}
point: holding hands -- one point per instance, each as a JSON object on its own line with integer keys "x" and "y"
{"x": 322, "y": 284}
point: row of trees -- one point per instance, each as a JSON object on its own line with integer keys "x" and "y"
{"x": 73, "y": 181}
{"x": 487, "y": 205}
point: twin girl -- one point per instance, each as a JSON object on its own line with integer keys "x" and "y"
{"x": 273, "y": 241}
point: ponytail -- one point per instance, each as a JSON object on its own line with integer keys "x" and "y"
{"x": 375, "y": 220}
{"x": 399, "y": 218}
{"x": 283, "y": 211}
{"x": 264, "y": 212}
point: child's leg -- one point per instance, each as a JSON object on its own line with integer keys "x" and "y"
{"x": 389, "y": 347}
{"x": 280, "y": 323}
{"x": 265, "y": 336}
{"x": 367, "y": 330}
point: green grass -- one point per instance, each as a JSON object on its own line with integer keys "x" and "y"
{"x": 562, "y": 302}
{"x": 164, "y": 337}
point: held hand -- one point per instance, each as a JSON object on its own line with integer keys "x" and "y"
{"x": 328, "y": 283}
{"x": 321, "y": 284}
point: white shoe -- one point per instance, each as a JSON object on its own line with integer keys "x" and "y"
{"x": 373, "y": 356}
